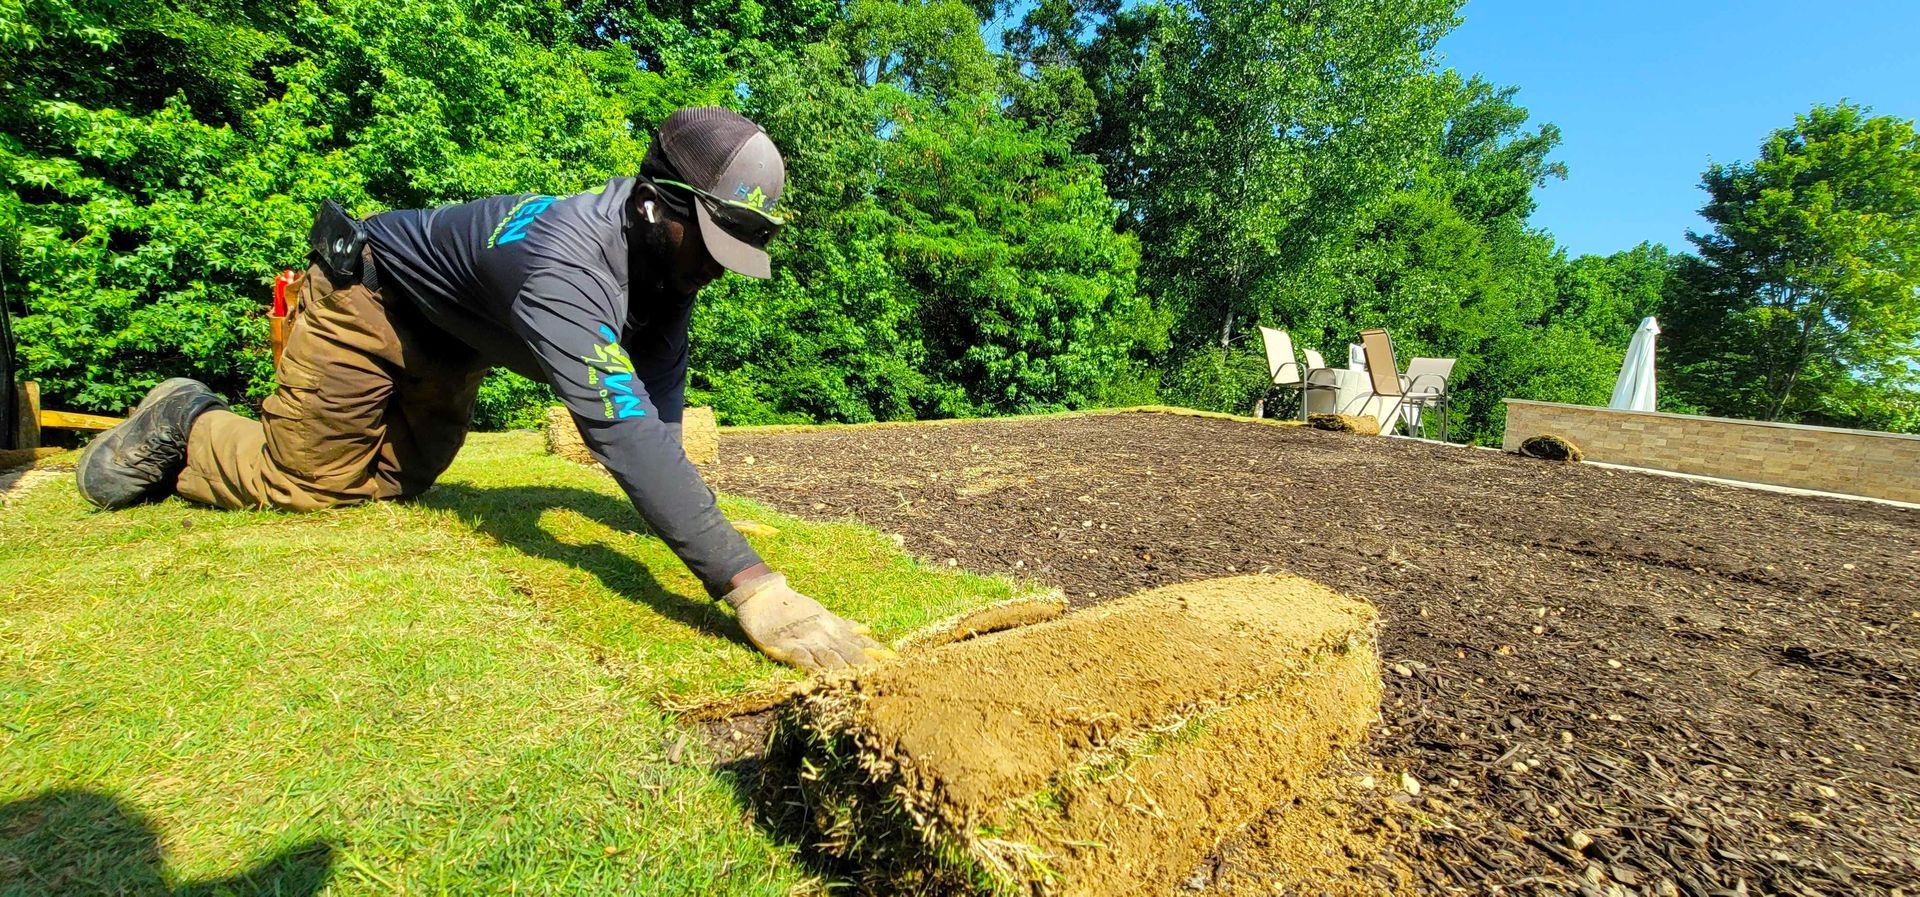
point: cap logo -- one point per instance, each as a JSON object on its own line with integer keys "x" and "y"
{"x": 755, "y": 197}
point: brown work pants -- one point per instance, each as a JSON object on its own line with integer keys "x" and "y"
{"x": 371, "y": 402}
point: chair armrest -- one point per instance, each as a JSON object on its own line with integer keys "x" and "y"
{"x": 1322, "y": 378}
{"x": 1425, "y": 384}
{"x": 1299, "y": 377}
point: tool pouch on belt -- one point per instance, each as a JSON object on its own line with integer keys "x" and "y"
{"x": 337, "y": 242}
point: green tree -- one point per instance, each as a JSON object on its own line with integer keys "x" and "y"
{"x": 162, "y": 161}
{"x": 1304, "y": 166}
{"x": 949, "y": 257}
{"x": 931, "y": 48}
{"x": 1030, "y": 298}
{"x": 1608, "y": 295}
{"x": 1804, "y": 303}
{"x": 951, "y": 253}
{"x": 1266, "y": 127}
{"x": 833, "y": 336}
{"x": 1448, "y": 263}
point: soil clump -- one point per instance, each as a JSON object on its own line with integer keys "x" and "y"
{"x": 563, "y": 437}
{"x": 700, "y": 435}
{"x": 1548, "y": 447}
{"x": 1361, "y": 424}
{"x": 1012, "y": 613}
{"x": 720, "y": 718}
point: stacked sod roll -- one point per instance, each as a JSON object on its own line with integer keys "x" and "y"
{"x": 1106, "y": 752}
{"x": 699, "y": 435}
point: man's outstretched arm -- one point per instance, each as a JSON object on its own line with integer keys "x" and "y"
{"x": 564, "y": 316}
{"x": 660, "y": 351}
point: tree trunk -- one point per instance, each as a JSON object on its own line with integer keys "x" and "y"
{"x": 1226, "y": 319}
{"x": 1812, "y": 314}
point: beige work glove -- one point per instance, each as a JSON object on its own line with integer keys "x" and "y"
{"x": 794, "y": 629}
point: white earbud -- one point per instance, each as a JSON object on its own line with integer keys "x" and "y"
{"x": 652, "y": 216}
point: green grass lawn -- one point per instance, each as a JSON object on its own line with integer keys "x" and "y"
{"x": 462, "y": 695}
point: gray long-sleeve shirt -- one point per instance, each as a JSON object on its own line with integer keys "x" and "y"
{"x": 540, "y": 285}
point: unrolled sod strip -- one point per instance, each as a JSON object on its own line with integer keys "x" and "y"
{"x": 1021, "y": 610}
{"x": 1102, "y": 753}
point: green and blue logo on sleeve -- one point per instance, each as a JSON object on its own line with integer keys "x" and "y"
{"x": 610, "y": 370}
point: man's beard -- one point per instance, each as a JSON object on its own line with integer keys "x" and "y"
{"x": 653, "y": 255}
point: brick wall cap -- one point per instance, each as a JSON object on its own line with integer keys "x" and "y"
{"x": 1723, "y": 420}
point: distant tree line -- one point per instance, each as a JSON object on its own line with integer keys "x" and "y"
{"x": 1078, "y": 203}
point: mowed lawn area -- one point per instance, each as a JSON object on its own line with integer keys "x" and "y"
{"x": 467, "y": 694}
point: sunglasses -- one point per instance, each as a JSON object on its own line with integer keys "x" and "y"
{"x": 745, "y": 222}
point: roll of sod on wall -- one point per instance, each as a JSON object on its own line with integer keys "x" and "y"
{"x": 1106, "y": 752}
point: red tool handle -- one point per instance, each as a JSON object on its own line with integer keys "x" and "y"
{"x": 278, "y": 323}
{"x": 280, "y": 292}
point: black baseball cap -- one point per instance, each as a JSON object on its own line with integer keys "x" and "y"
{"x": 736, "y": 172}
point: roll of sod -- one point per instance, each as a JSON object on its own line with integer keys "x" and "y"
{"x": 1363, "y": 424}
{"x": 563, "y": 437}
{"x": 1106, "y": 752}
{"x": 700, "y": 435}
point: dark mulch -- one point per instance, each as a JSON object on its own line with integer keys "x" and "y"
{"x": 1715, "y": 685}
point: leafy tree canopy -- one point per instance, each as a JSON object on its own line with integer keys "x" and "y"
{"x": 163, "y": 161}
{"x": 1804, "y": 302}
{"x": 1081, "y": 202}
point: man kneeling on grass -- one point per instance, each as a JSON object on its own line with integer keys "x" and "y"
{"x": 402, "y": 315}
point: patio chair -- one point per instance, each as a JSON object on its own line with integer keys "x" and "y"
{"x": 1424, "y": 386}
{"x": 1318, "y": 378}
{"x": 1427, "y": 388}
{"x": 1286, "y": 373}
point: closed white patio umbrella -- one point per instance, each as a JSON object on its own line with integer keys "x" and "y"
{"x": 1635, "y": 391}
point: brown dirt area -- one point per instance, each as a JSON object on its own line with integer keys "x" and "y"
{"x": 1604, "y": 682}
{"x": 1106, "y": 752}
{"x": 17, "y": 475}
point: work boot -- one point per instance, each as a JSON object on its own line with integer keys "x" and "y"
{"x": 139, "y": 460}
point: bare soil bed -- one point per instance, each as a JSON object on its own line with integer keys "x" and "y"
{"x": 1603, "y": 682}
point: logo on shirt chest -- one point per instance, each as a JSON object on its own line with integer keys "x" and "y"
{"x": 519, "y": 218}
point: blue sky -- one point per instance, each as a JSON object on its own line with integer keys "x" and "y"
{"x": 1647, "y": 93}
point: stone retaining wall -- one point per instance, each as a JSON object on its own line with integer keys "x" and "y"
{"x": 1855, "y": 462}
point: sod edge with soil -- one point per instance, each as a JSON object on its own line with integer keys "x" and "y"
{"x": 1102, "y": 753}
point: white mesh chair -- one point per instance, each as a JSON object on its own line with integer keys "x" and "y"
{"x": 1426, "y": 388}
{"x": 1319, "y": 380}
{"x": 1285, "y": 371}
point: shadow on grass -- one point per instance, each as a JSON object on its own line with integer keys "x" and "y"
{"x": 85, "y": 842}
{"x": 764, "y": 771}
{"x": 768, "y": 785}
{"x": 511, "y": 515}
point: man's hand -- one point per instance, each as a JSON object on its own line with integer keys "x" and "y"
{"x": 794, "y": 629}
